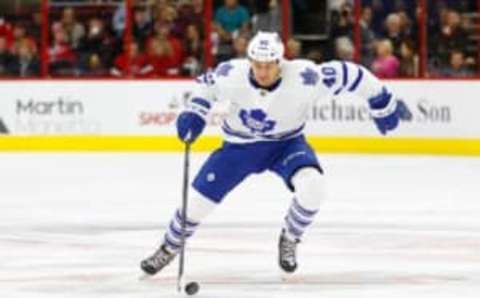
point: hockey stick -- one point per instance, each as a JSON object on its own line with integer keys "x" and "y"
{"x": 181, "y": 260}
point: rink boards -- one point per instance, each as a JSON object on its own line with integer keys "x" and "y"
{"x": 140, "y": 115}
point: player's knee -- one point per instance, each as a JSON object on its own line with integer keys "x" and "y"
{"x": 199, "y": 207}
{"x": 310, "y": 188}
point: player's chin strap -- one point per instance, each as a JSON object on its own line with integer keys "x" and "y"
{"x": 280, "y": 64}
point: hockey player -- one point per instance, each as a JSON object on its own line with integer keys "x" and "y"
{"x": 269, "y": 100}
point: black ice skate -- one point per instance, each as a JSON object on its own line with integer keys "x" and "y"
{"x": 157, "y": 261}
{"x": 287, "y": 256}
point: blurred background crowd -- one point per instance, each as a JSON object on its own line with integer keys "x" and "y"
{"x": 181, "y": 38}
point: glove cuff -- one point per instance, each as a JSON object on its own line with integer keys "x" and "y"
{"x": 382, "y": 105}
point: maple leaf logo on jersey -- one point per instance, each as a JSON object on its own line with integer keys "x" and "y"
{"x": 309, "y": 76}
{"x": 223, "y": 69}
{"x": 256, "y": 121}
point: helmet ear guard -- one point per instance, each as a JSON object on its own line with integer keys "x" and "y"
{"x": 266, "y": 47}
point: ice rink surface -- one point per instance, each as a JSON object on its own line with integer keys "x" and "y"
{"x": 77, "y": 225}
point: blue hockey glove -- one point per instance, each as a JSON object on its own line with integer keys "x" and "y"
{"x": 385, "y": 111}
{"x": 189, "y": 126}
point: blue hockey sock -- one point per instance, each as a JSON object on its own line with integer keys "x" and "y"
{"x": 297, "y": 220}
{"x": 172, "y": 238}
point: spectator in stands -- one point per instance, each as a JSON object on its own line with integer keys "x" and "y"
{"x": 267, "y": 16}
{"x": 35, "y": 29}
{"x": 162, "y": 32}
{"x": 294, "y": 49}
{"x": 95, "y": 67}
{"x": 160, "y": 5}
{"x": 26, "y": 62}
{"x": 341, "y": 28}
{"x": 96, "y": 41}
{"x": 414, "y": 34}
{"x": 20, "y": 37}
{"x": 61, "y": 55}
{"x": 408, "y": 60}
{"x": 451, "y": 36}
{"x": 162, "y": 58}
{"x": 169, "y": 16}
{"x": 230, "y": 21}
{"x": 119, "y": 20}
{"x": 406, "y": 26}
{"x": 73, "y": 28}
{"x": 457, "y": 66}
{"x": 394, "y": 33}
{"x": 232, "y": 17}
{"x": 315, "y": 55}
{"x": 342, "y": 23}
{"x": 386, "y": 65}
{"x": 131, "y": 63}
{"x": 5, "y": 56}
{"x": 344, "y": 49}
{"x": 6, "y": 30}
{"x": 368, "y": 36}
{"x": 193, "y": 51}
{"x": 191, "y": 13}
{"x": 333, "y": 4}
{"x": 240, "y": 44}
{"x": 142, "y": 25}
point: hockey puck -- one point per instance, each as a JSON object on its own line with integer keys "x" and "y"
{"x": 192, "y": 288}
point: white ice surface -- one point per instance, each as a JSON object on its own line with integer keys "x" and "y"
{"x": 77, "y": 225}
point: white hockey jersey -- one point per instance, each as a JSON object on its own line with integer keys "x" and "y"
{"x": 256, "y": 114}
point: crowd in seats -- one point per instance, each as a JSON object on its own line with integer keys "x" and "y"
{"x": 388, "y": 34}
{"x": 342, "y": 31}
{"x": 167, "y": 38}
{"x": 453, "y": 42}
{"x": 234, "y": 22}
{"x": 170, "y": 35}
{"x": 89, "y": 38}
{"x": 19, "y": 46}
{"x": 84, "y": 40}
